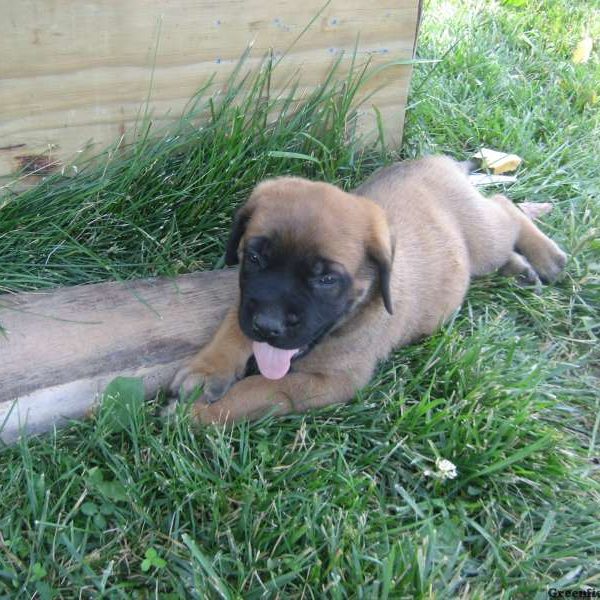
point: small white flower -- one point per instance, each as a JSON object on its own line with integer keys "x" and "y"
{"x": 446, "y": 469}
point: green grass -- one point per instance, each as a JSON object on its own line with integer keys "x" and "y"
{"x": 344, "y": 502}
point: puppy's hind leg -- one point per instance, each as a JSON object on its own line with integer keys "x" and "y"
{"x": 518, "y": 267}
{"x": 544, "y": 255}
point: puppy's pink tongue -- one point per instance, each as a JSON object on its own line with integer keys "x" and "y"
{"x": 273, "y": 363}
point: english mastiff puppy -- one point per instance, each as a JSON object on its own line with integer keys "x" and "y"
{"x": 331, "y": 282}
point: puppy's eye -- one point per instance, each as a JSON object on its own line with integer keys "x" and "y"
{"x": 253, "y": 258}
{"x": 328, "y": 280}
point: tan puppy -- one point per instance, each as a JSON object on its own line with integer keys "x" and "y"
{"x": 331, "y": 282}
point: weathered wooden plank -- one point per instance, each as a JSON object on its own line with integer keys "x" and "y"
{"x": 73, "y": 75}
{"x": 62, "y": 347}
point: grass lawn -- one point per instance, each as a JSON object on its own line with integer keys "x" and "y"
{"x": 347, "y": 501}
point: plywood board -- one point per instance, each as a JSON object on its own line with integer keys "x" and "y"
{"x": 74, "y": 75}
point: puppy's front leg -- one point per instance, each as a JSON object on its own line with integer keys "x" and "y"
{"x": 218, "y": 365}
{"x": 256, "y": 396}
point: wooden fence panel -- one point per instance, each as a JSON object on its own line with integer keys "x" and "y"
{"x": 74, "y": 75}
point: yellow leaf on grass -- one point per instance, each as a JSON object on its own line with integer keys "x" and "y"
{"x": 583, "y": 50}
{"x": 498, "y": 162}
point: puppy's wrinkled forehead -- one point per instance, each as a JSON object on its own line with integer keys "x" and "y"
{"x": 310, "y": 217}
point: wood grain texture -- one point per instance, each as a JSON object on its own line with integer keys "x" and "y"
{"x": 61, "y": 348}
{"x": 74, "y": 75}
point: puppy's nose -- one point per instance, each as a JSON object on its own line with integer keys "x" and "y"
{"x": 267, "y": 326}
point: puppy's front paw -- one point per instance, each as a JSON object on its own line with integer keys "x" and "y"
{"x": 186, "y": 380}
{"x": 190, "y": 380}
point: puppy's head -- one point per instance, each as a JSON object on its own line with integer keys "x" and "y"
{"x": 310, "y": 255}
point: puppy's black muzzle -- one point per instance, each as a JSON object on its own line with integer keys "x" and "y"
{"x": 271, "y": 322}
{"x": 268, "y": 328}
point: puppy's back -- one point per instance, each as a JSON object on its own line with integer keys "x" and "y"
{"x": 433, "y": 197}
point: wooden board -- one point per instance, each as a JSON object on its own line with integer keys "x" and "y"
{"x": 61, "y": 348}
{"x": 74, "y": 75}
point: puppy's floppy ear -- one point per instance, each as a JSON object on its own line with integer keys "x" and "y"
{"x": 380, "y": 250}
{"x": 238, "y": 228}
